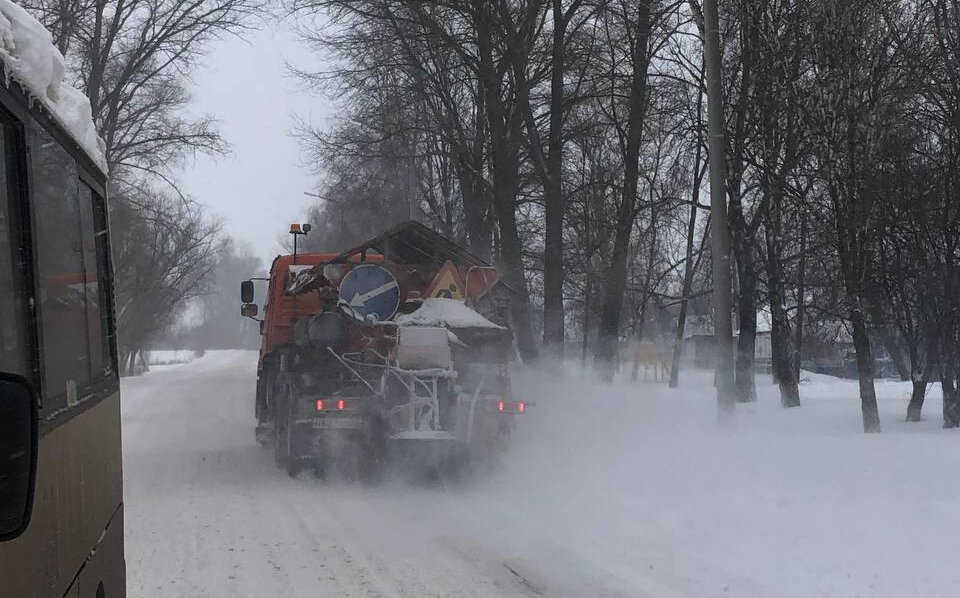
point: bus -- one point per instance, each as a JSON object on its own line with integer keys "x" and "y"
{"x": 61, "y": 494}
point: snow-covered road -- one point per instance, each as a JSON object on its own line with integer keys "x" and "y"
{"x": 208, "y": 513}
{"x": 610, "y": 491}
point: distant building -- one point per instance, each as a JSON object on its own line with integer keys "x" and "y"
{"x": 699, "y": 343}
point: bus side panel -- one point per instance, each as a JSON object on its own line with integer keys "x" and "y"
{"x": 78, "y": 492}
{"x": 102, "y": 567}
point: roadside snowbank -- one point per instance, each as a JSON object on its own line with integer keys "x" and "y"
{"x": 30, "y": 57}
{"x": 792, "y": 503}
{"x": 170, "y": 356}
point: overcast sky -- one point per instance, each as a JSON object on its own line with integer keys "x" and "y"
{"x": 257, "y": 190}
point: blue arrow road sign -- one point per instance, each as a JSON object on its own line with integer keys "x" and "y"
{"x": 371, "y": 291}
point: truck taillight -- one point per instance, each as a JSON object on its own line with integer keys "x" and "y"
{"x": 511, "y": 407}
{"x": 331, "y": 404}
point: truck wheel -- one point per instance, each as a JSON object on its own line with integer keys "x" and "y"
{"x": 265, "y": 424}
{"x": 286, "y": 457}
{"x": 281, "y": 443}
{"x": 294, "y": 465}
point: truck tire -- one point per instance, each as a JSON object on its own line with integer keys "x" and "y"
{"x": 265, "y": 421}
{"x": 258, "y": 402}
{"x": 293, "y": 465}
{"x": 281, "y": 443}
{"x": 286, "y": 405}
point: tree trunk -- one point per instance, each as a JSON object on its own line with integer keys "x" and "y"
{"x": 801, "y": 295}
{"x": 688, "y": 269}
{"x": 868, "y": 395}
{"x": 741, "y": 233}
{"x": 609, "y": 329}
{"x": 97, "y": 63}
{"x": 850, "y": 250}
{"x": 915, "y": 407}
{"x": 723, "y": 333}
{"x": 608, "y": 334}
{"x": 780, "y": 334}
{"x": 553, "y": 320}
{"x": 474, "y": 216}
{"x": 123, "y": 359}
{"x": 587, "y": 293}
{"x": 744, "y": 381}
{"x": 922, "y": 365}
{"x": 505, "y": 132}
{"x": 687, "y": 282}
{"x": 512, "y": 263}
{"x": 476, "y": 199}
{"x": 948, "y": 382}
{"x": 951, "y": 398}
{"x": 585, "y": 341}
{"x": 774, "y": 357}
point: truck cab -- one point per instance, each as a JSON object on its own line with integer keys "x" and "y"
{"x": 281, "y": 310}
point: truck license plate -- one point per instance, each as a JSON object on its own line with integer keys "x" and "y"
{"x": 337, "y": 423}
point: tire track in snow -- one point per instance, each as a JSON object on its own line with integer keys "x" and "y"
{"x": 208, "y": 513}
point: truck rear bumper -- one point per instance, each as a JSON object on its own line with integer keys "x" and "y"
{"x": 331, "y": 437}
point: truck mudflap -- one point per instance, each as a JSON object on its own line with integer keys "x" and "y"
{"x": 340, "y": 435}
{"x": 264, "y": 434}
{"x": 318, "y": 436}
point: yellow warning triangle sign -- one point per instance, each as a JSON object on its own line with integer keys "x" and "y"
{"x": 447, "y": 283}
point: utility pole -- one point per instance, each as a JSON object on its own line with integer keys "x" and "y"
{"x": 720, "y": 239}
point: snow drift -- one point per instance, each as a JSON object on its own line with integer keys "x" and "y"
{"x": 451, "y": 313}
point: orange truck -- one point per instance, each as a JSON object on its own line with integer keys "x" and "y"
{"x": 394, "y": 351}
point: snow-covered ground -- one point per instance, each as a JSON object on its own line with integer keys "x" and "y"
{"x": 170, "y": 356}
{"x": 620, "y": 490}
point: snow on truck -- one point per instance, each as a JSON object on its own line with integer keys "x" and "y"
{"x": 397, "y": 349}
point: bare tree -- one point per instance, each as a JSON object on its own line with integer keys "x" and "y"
{"x": 218, "y": 326}
{"x": 164, "y": 250}
{"x": 857, "y": 87}
{"x": 776, "y": 156}
{"x": 635, "y": 24}
{"x": 521, "y": 31}
{"x": 131, "y": 58}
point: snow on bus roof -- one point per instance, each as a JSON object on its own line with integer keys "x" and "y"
{"x": 451, "y": 313}
{"x": 30, "y": 57}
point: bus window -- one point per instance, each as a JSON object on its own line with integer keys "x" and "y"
{"x": 105, "y": 276}
{"x": 93, "y": 229}
{"x": 13, "y": 338}
{"x": 61, "y": 272}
